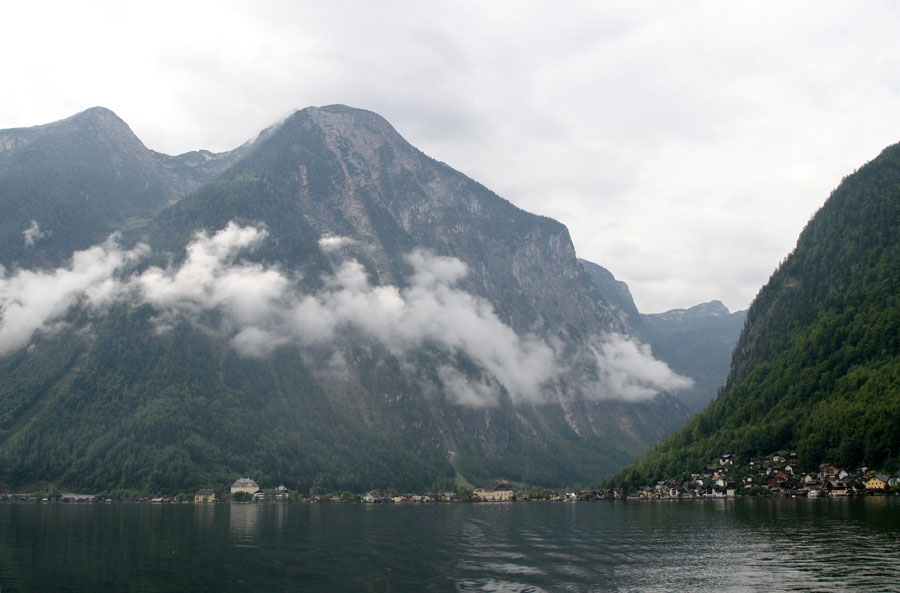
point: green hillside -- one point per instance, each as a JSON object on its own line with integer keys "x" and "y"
{"x": 817, "y": 368}
{"x": 173, "y": 412}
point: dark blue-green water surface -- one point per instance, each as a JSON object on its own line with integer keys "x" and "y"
{"x": 679, "y": 546}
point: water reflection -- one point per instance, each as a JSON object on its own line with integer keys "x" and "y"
{"x": 243, "y": 523}
{"x": 204, "y": 516}
{"x": 726, "y": 546}
{"x": 836, "y": 544}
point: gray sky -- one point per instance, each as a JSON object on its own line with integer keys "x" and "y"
{"x": 685, "y": 145}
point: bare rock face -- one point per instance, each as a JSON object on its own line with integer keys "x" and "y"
{"x": 357, "y": 177}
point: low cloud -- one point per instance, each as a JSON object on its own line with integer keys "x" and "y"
{"x": 331, "y": 243}
{"x": 36, "y": 299}
{"x": 211, "y": 279}
{"x": 466, "y": 391}
{"x": 32, "y": 234}
{"x": 259, "y": 308}
{"x": 627, "y": 370}
{"x": 431, "y": 310}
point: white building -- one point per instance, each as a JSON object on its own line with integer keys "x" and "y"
{"x": 244, "y": 485}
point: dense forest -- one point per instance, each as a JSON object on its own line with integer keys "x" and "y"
{"x": 131, "y": 410}
{"x": 817, "y": 367}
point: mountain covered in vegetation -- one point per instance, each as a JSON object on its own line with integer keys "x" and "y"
{"x": 324, "y": 307}
{"x": 817, "y": 367}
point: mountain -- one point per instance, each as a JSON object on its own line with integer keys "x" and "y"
{"x": 695, "y": 342}
{"x": 73, "y": 182}
{"x": 817, "y": 366}
{"x": 325, "y": 307}
{"x": 618, "y": 295}
{"x": 346, "y": 172}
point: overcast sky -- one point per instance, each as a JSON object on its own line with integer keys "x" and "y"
{"x": 685, "y": 145}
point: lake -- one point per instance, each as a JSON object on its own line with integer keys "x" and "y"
{"x": 712, "y": 545}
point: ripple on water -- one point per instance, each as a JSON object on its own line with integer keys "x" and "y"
{"x": 498, "y": 586}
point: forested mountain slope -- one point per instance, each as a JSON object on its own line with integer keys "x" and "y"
{"x": 817, "y": 367}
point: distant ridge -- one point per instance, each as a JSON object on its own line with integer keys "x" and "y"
{"x": 710, "y": 309}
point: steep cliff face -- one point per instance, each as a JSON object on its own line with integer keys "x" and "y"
{"x": 337, "y": 171}
{"x": 383, "y": 319}
{"x": 618, "y": 295}
{"x": 509, "y": 251}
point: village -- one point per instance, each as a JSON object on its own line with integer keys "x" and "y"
{"x": 776, "y": 475}
{"x": 246, "y": 490}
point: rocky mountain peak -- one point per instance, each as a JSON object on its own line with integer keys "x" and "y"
{"x": 83, "y": 127}
{"x": 360, "y": 137}
{"x": 98, "y": 124}
{"x": 355, "y": 176}
{"x": 97, "y": 115}
{"x": 710, "y": 309}
{"x": 80, "y": 178}
{"x": 348, "y": 120}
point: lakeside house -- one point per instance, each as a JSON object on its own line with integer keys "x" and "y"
{"x": 501, "y": 493}
{"x": 244, "y": 485}
{"x": 836, "y": 488}
{"x": 878, "y": 483}
{"x": 279, "y": 494}
{"x": 205, "y": 495}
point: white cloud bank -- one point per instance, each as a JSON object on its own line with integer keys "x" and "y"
{"x": 32, "y": 300}
{"x": 259, "y": 308}
{"x": 628, "y": 369}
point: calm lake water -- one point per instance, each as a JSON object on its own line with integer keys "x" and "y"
{"x": 716, "y": 545}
